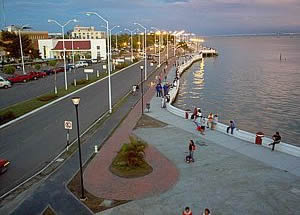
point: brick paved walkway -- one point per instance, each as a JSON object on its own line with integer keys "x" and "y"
{"x": 99, "y": 181}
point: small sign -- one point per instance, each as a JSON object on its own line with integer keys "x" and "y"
{"x": 68, "y": 125}
{"x": 88, "y": 70}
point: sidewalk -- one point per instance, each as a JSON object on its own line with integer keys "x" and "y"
{"x": 229, "y": 176}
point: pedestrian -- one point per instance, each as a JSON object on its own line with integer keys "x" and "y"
{"x": 160, "y": 90}
{"x": 134, "y": 89}
{"x": 215, "y": 122}
{"x": 276, "y": 140}
{"x": 187, "y": 211}
{"x": 231, "y": 126}
{"x": 210, "y": 120}
{"x": 203, "y": 125}
{"x": 157, "y": 90}
{"x": 195, "y": 114}
{"x": 192, "y": 148}
{"x": 165, "y": 87}
{"x": 206, "y": 211}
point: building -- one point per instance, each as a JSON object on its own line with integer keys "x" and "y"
{"x": 87, "y": 33}
{"x": 34, "y": 36}
{"x": 84, "y": 48}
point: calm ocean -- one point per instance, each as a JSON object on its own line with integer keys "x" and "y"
{"x": 247, "y": 82}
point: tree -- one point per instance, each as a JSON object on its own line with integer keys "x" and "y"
{"x": 52, "y": 63}
{"x": 9, "y": 70}
{"x": 11, "y": 43}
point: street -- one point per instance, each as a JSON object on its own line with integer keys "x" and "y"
{"x": 31, "y": 143}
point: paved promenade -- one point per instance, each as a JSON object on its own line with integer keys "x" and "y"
{"x": 229, "y": 176}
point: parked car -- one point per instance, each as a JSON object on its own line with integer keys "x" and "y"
{"x": 48, "y": 71}
{"x": 81, "y": 64}
{"x": 4, "y": 83}
{"x": 94, "y": 61}
{"x": 20, "y": 78}
{"x": 70, "y": 66}
{"x": 37, "y": 75}
{"x": 3, "y": 165}
{"x": 89, "y": 62}
{"x": 58, "y": 70}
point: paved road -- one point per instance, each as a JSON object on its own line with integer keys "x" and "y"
{"x": 24, "y": 91}
{"x": 36, "y": 140}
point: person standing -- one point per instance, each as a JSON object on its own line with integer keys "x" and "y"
{"x": 231, "y": 126}
{"x": 160, "y": 90}
{"x": 276, "y": 140}
{"x": 192, "y": 148}
{"x": 215, "y": 122}
{"x": 157, "y": 90}
{"x": 210, "y": 120}
{"x": 206, "y": 211}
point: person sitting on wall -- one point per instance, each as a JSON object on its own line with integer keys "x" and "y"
{"x": 231, "y": 126}
{"x": 276, "y": 140}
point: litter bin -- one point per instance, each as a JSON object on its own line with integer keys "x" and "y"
{"x": 258, "y": 139}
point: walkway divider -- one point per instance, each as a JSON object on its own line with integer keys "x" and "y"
{"x": 238, "y": 133}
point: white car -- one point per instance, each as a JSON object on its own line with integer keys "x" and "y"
{"x": 4, "y": 83}
{"x": 81, "y": 64}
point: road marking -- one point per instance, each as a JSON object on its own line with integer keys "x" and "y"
{"x": 62, "y": 98}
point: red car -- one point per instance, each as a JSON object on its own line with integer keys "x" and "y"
{"x": 37, "y": 75}
{"x": 20, "y": 78}
{"x": 3, "y": 165}
{"x": 59, "y": 69}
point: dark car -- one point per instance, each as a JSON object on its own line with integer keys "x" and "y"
{"x": 59, "y": 69}
{"x": 3, "y": 165}
{"x": 48, "y": 71}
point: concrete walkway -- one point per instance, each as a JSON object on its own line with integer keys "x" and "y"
{"x": 230, "y": 176}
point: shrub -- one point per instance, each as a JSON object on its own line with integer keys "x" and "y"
{"x": 6, "y": 117}
{"x": 37, "y": 66}
{"x": 81, "y": 82}
{"x": 121, "y": 66}
{"x": 53, "y": 63}
{"x": 47, "y": 98}
{"x": 9, "y": 70}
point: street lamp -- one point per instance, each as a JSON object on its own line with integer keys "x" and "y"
{"x": 76, "y": 101}
{"x": 142, "y": 88}
{"x": 117, "y": 39}
{"x": 131, "y": 43}
{"x": 21, "y": 47}
{"x": 159, "y": 35}
{"x": 64, "y": 50}
{"x": 108, "y": 57}
{"x": 145, "y": 47}
{"x": 167, "y": 44}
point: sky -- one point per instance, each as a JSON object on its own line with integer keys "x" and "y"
{"x": 203, "y": 17}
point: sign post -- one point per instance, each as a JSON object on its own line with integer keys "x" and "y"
{"x": 87, "y": 71}
{"x": 68, "y": 127}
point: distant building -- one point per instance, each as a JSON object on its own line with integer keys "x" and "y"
{"x": 54, "y": 35}
{"x": 85, "y": 48}
{"x": 87, "y": 33}
{"x": 34, "y": 36}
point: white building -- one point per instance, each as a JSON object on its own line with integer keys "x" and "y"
{"x": 85, "y": 49}
{"x": 87, "y": 33}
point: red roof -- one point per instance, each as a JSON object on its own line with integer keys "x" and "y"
{"x": 78, "y": 45}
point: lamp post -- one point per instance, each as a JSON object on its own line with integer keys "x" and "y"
{"x": 142, "y": 89}
{"x": 76, "y": 101}
{"x": 116, "y": 26}
{"x": 167, "y": 33}
{"x": 107, "y": 55}
{"x": 64, "y": 50}
{"x": 145, "y": 47}
{"x": 131, "y": 43}
{"x": 117, "y": 39}
{"x": 159, "y": 35}
{"x": 21, "y": 47}
{"x": 174, "y": 37}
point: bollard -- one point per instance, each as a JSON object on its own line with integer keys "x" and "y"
{"x": 96, "y": 149}
{"x": 75, "y": 82}
{"x": 97, "y": 73}
{"x": 87, "y": 77}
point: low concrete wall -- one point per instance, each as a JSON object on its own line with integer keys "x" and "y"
{"x": 240, "y": 134}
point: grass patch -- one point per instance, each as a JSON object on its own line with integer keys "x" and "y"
{"x": 12, "y": 112}
{"x": 130, "y": 162}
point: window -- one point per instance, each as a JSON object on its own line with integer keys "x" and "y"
{"x": 98, "y": 47}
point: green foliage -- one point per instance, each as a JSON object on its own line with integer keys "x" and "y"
{"x": 37, "y": 66}
{"x": 82, "y": 82}
{"x": 47, "y": 98}
{"x": 11, "y": 43}
{"x": 9, "y": 70}
{"x": 122, "y": 65}
{"x": 52, "y": 63}
{"x": 131, "y": 154}
{"x": 76, "y": 57}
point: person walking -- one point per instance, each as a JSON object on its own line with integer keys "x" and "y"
{"x": 231, "y": 126}
{"x": 276, "y": 140}
{"x": 192, "y": 148}
{"x": 157, "y": 90}
{"x": 187, "y": 211}
{"x": 160, "y": 90}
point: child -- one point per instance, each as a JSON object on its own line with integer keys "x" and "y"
{"x": 187, "y": 211}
